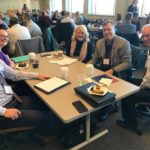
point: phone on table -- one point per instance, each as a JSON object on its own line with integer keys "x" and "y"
{"x": 79, "y": 106}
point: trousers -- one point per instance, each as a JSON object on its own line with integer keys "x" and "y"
{"x": 33, "y": 113}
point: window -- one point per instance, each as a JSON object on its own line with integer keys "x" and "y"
{"x": 75, "y": 5}
{"x": 102, "y": 7}
{"x": 144, "y": 7}
{"x": 55, "y": 5}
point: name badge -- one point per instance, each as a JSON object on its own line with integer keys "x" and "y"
{"x": 8, "y": 89}
{"x": 106, "y": 61}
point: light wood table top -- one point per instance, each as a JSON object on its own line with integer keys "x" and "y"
{"x": 61, "y": 100}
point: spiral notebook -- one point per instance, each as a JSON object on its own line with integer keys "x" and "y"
{"x": 51, "y": 84}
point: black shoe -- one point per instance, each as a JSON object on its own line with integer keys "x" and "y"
{"x": 122, "y": 123}
{"x": 103, "y": 116}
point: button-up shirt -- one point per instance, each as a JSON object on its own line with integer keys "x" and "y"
{"x": 14, "y": 75}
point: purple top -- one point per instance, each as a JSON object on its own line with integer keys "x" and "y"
{"x": 5, "y": 58}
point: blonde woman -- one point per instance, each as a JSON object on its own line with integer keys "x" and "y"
{"x": 80, "y": 45}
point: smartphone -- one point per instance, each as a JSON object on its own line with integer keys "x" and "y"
{"x": 79, "y": 106}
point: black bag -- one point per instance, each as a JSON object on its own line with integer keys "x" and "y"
{"x": 74, "y": 133}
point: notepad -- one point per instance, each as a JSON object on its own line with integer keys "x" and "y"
{"x": 104, "y": 76}
{"x": 51, "y": 84}
{"x": 20, "y": 58}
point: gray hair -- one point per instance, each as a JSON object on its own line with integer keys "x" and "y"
{"x": 146, "y": 26}
{"x": 107, "y": 22}
{"x": 84, "y": 30}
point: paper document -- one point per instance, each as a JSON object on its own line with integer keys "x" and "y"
{"x": 106, "y": 81}
{"x": 65, "y": 61}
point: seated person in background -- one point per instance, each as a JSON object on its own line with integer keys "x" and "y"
{"x": 127, "y": 27}
{"x": 78, "y": 19}
{"x": 129, "y": 115}
{"x": 17, "y": 32}
{"x": 3, "y": 24}
{"x": 34, "y": 29}
{"x": 4, "y": 18}
{"x": 13, "y": 112}
{"x": 44, "y": 21}
{"x": 63, "y": 14}
{"x": 135, "y": 20}
{"x": 3, "y": 42}
{"x": 118, "y": 20}
{"x": 80, "y": 45}
{"x": 112, "y": 53}
{"x": 55, "y": 16}
{"x": 68, "y": 19}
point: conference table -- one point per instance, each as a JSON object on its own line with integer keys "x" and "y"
{"x": 60, "y": 101}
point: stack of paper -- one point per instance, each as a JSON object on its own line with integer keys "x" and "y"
{"x": 65, "y": 61}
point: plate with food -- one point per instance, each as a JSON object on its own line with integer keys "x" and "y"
{"x": 22, "y": 66}
{"x": 97, "y": 90}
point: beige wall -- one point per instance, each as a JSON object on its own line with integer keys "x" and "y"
{"x": 17, "y": 4}
{"x": 121, "y": 7}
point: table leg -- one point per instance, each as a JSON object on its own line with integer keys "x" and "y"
{"x": 88, "y": 139}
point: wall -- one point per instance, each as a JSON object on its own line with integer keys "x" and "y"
{"x": 121, "y": 7}
{"x": 17, "y": 4}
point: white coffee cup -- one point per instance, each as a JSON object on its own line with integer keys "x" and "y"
{"x": 31, "y": 56}
{"x": 64, "y": 72}
{"x": 89, "y": 70}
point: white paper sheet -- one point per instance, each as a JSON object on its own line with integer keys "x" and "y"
{"x": 65, "y": 61}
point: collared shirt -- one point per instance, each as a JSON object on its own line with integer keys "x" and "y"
{"x": 146, "y": 79}
{"x": 14, "y": 75}
{"x": 34, "y": 29}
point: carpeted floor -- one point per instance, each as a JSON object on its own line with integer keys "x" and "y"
{"x": 117, "y": 139}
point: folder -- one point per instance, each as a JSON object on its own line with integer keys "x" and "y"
{"x": 94, "y": 100}
{"x": 20, "y": 58}
{"x": 51, "y": 84}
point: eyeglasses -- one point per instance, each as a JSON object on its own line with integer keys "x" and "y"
{"x": 4, "y": 37}
{"x": 145, "y": 36}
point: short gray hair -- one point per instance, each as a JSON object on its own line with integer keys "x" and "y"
{"x": 146, "y": 26}
{"x": 107, "y": 22}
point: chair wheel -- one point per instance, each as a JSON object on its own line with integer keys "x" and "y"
{"x": 139, "y": 132}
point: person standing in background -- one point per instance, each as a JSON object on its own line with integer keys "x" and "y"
{"x": 133, "y": 7}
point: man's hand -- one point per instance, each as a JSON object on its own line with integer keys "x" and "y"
{"x": 110, "y": 71}
{"x": 12, "y": 113}
{"x": 43, "y": 77}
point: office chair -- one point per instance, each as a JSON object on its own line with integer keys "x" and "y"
{"x": 142, "y": 109}
{"x": 9, "y": 137}
{"x": 132, "y": 38}
{"x": 23, "y": 47}
{"x": 135, "y": 51}
{"x": 5, "y": 133}
{"x": 63, "y": 32}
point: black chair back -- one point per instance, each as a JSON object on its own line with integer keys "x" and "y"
{"x": 23, "y": 47}
{"x": 64, "y": 32}
{"x": 132, "y": 38}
